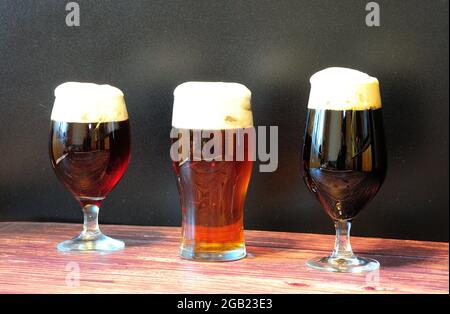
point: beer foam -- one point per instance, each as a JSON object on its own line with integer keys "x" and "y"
{"x": 344, "y": 89}
{"x": 88, "y": 103}
{"x": 212, "y": 106}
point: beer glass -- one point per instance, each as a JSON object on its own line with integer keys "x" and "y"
{"x": 89, "y": 151}
{"x": 344, "y": 156}
{"x": 212, "y": 189}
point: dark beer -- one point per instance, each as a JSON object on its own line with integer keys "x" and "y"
{"x": 90, "y": 158}
{"x": 344, "y": 156}
{"x": 344, "y": 159}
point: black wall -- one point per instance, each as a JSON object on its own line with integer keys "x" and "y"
{"x": 148, "y": 47}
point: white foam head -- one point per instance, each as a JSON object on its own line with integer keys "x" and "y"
{"x": 212, "y": 106}
{"x": 344, "y": 89}
{"x": 88, "y": 103}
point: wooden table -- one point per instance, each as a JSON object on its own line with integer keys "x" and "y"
{"x": 30, "y": 263}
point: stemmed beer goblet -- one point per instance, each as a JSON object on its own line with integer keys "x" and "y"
{"x": 344, "y": 156}
{"x": 89, "y": 151}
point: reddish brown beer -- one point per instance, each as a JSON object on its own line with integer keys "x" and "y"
{"x": 90, "y": 158}
{"x": 89, "y": 151}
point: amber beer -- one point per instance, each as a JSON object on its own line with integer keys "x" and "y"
{"x": 212, "y": 192}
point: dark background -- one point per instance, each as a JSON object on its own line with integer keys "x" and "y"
{"x": 147, "y": 48}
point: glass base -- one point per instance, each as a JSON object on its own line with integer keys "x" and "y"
{"x": 97, "y": 242}
{"x": 220, "y": 256}
{"x": 344, "y": 265}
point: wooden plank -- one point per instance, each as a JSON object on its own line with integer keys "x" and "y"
{"x": 30, "y": 263}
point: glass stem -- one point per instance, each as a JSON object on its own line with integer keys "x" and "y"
{"x": 90, "y": 225}
{"x": 342, "y": 246}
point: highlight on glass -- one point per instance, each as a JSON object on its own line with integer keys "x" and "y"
{"x": 212, "y": 180}
{"x": 344, "y": 156}
{"x": 89, "y": 151}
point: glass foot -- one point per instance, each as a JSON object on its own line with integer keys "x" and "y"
{"x": 344, "y": 265}
{"x": 97, "y": 242}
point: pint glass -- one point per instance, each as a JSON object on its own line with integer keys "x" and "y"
{"x": 212, "y": 153}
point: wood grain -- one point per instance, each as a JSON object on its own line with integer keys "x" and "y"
{"x": 30, "y": 263}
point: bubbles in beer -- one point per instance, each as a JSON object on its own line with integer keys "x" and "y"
{"x": 88, "y": 103}
{"x": 212, "y": 106}
{"x": 344, "y": 89}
